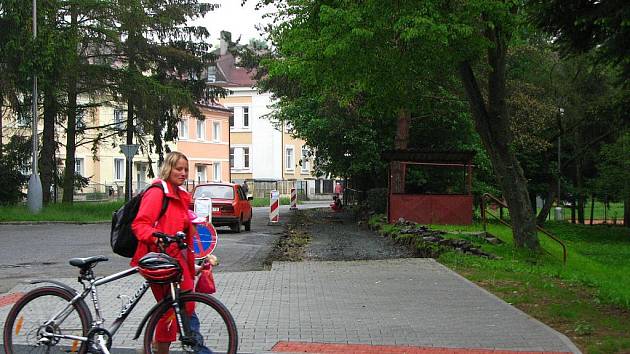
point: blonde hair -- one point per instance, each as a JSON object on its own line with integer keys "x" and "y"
{"x": 170, "y": 161}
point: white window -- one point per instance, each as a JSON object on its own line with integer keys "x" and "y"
{"x": 119, "y": 169}
{"x": 239, "y": 157}
{"x": 79, "y": 166}
{"x": 245, "y": 117}
{"x": 201, "y": 173}
{"x": 245, "y": 157}
{"x": 80, "y": 122}
{"x": 119, "y": 119}
{"x": 183, "y": 128}
{"x": 288, "y": 127}
{"x": 216, "y": 131}
{"x": 240, "y": 120}
{"x": 289, "y": 156}
{"x": 306, "y": 164}
{"x": 212, "y": 73}
{"x": 216, "y": 167}
{"x": 201, "y": 129}
{"x": 24, "y": 119}
{"x": 139, "y": 127}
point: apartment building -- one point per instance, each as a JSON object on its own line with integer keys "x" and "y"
{"x": 205, "y": 142}
{"x": 259, "y": 149}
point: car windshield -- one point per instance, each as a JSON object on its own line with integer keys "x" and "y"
{"x": 215, "y": 191}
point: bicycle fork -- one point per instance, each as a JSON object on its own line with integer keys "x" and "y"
{"x": 183, "y": 320}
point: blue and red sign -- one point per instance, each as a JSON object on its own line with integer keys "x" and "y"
{"x": 206, "y": 239}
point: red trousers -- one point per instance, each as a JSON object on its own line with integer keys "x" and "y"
{"x": 167, "y": 328}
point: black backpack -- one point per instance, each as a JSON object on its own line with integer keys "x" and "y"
{"x": 122, "y": 239}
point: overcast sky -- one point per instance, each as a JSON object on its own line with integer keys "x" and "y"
{"x": 231, "y": 16}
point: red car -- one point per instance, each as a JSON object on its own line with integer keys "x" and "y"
{"x": 230, "y": 205}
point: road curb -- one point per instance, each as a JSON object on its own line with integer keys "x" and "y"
{"x": 52, "y": 222}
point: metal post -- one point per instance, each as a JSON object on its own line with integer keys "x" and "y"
{"x": 129, "y": 185}
{"x": 129, "y": 150}
{"x": 559, "y": 170}
{"x": 34, "y": 194}
{"x": 559, "y": 205}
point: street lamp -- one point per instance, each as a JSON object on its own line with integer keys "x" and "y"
{"x": 558, "y": 206}
{"x": 34, "y": 194}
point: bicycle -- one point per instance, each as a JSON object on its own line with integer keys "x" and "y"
{"x": 55, "y": 317}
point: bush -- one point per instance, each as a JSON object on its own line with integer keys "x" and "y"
{"x": 12, "y": 182}
{"x": 376, "y": 200}
{"x": 15, "y": 156}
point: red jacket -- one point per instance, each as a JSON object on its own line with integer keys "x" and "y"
{"x": 174, "y": 219}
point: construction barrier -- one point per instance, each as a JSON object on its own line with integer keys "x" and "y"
{"x": 274, "y": 207}
{"x": 293, "y": 199}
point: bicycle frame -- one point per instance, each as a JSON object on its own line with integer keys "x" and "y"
{"x": 98, "y": 321}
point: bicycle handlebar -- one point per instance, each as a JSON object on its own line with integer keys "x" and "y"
{"x": 166, "y": 239}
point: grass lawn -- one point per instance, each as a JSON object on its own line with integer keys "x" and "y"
{"x": 588, "y": 299}
{"x": 84, "y": 211}
{"x": 76, "y": 212}
{"x": 600, "y": 212}
{"x": 264, "y": 202}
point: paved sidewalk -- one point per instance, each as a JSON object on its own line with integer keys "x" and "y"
{"x": 389, "y": 306}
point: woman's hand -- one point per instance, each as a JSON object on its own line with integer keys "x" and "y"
{"x": 212, "y": 259}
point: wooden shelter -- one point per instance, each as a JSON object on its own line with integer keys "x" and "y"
{"x": 452, "y": 205}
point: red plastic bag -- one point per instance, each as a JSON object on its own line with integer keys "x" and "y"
{"x": 205, "y": 283}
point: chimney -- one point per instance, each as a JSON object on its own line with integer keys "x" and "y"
{"x": 226, "y": 37}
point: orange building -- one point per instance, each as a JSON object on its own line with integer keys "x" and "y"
{"x": 206, "y": 143}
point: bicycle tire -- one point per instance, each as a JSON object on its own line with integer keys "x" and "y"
{"x": 218, "y": 327}
{"x": 26, "y": 317}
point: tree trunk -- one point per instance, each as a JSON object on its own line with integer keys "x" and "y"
{"x": 626, "y": 212}
{"x": 592, "y": 208}
{"x": 492, "y": 124}
{"x": 129, "y": 168}
{"x": 401, "y": 141}
{"x": 47, "y": 157}
{"x": 579, "y": 181}
{"x": 69, "y": 171}
{"x": 1, "y": 116}
{"x": 544, "y": 212}
{"x": 71, "y": 114}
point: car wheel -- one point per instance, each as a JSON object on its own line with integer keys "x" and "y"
{"x": 248, "y": 225}
{"x": 236, "y": 227}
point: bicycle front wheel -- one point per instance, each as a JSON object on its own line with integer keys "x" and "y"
{"x": 212, "y": 327}
{"x": 39, "y": 320}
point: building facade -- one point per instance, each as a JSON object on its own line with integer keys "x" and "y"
{"x": 260, "y": 150}
{"x": 205, "y": 142}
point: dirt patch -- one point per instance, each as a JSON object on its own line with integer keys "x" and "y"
{"x": 292, "y": 243}
{"x": 324, "y": 235}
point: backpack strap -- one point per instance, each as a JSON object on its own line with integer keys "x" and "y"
{"x": 164, "y": 206}
{"x": 162, "y": 186}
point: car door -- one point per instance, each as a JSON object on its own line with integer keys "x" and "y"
{"x": 243, "y": 203}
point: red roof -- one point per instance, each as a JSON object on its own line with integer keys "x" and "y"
{"x": 230, "y": 75}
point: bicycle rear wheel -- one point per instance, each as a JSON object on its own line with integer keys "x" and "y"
{"x": 32, "y": 316}
{"x": 217, "y": 330}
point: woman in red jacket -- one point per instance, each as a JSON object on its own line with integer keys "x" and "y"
{"x": 173, "y": 173}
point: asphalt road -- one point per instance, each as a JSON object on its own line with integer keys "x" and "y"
{"x": 39, "y": 251}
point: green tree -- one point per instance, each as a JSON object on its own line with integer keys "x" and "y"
{"x": 164, "y": 61}
{"x": 614, "y": 172}
{"x": 89, "y": 31}
{"x": 399, "y": 59}
{"x": 580, "y": 26}
{"x": 14, "y": 159}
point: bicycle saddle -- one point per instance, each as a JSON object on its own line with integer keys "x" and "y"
{"x": 87, "y": 261}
